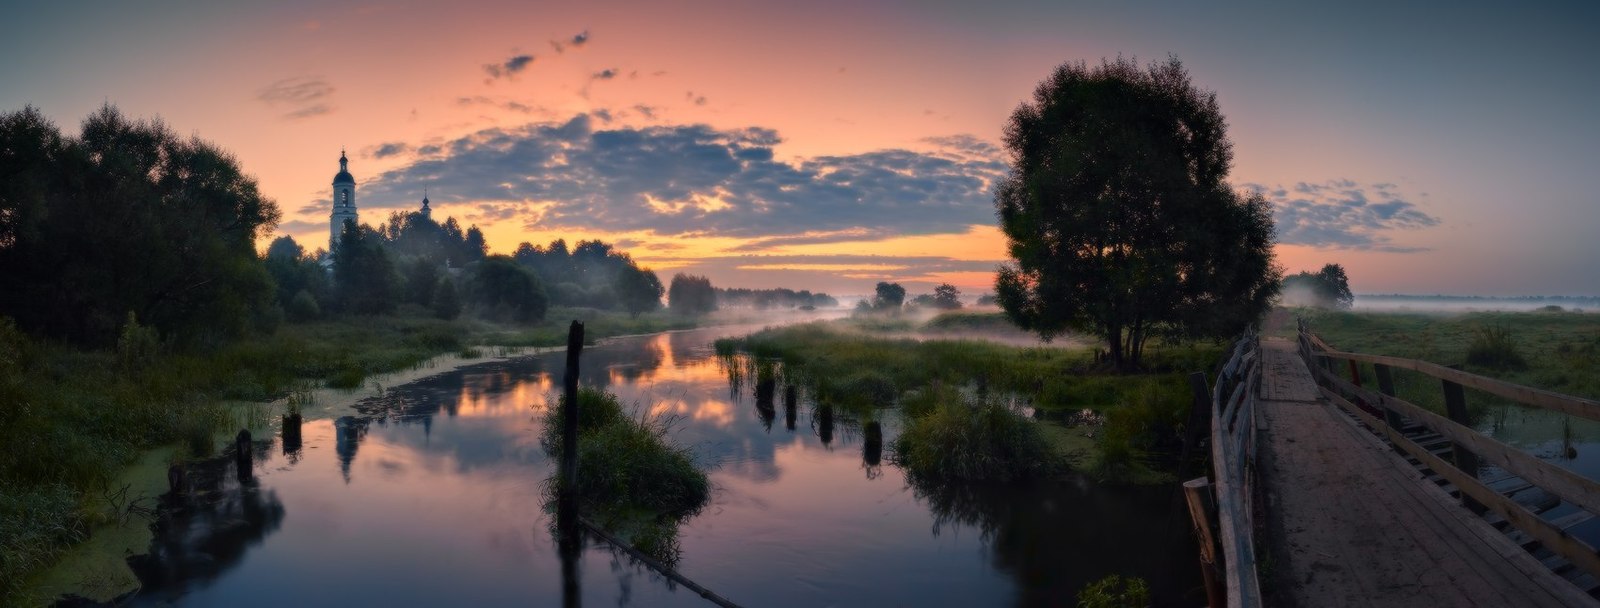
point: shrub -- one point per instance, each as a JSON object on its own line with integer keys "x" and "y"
{"x": 627, "y": 464}
{"x": 1115, "y": 592}
{"x": 973, "y": 442}
{"x": 1494, "y": 347}
{"x": 303, "y": 307}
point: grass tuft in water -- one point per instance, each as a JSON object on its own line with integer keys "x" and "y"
{"x": 1115, "y": 592}
{"x": 958, "y": 439}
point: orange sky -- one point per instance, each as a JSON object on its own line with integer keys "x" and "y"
{"x": 1495, "y": 180}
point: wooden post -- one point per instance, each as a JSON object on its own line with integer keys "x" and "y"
{"x": 1386, "y": 386}
{"x": 242, "y": 456}
{"x": 1355, "y": 373}
{"x": 790, "y": 396}
{"x": 1202, "y": 509}
{"x": 1455, "y": 406}
{"x": 569, "y": 407}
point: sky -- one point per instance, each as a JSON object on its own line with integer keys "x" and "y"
{"x": 1427, "y": 147}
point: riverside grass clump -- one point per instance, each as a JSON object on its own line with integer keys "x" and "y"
{"x": 962, "y": 440}
{"x": 631, "y": 477}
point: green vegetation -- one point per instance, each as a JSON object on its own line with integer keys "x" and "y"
{"x": 1559, "y": 351}
{"x": 691, "y": 295}
{"x": 948, "y": 392}
{"x": 961, "y": 439}
{"x": 1115, "y": 592}
{"x": 1328, "y": 288}
{"x": 1119, "y": 215}
{"x": 631, "y": 478}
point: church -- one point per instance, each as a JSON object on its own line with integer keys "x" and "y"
{"x": 344, "y": 203}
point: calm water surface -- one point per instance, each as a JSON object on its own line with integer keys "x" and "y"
{"x": 433, "y": 497}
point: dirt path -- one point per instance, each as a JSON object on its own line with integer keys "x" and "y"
{"x": 1348, "y": 523}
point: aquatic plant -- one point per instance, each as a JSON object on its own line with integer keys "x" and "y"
{"x": 973, "y": 441}
{"x": 627, "y": 463}
{"x": 1115, "y": 592}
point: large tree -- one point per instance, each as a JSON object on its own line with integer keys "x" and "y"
{"x": 691, "y": 295}
{"x": 128, "y": 217}
{"x": 1328, "y": 288}
{"x": 1118, "y": 214}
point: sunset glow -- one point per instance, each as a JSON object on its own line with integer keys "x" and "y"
{"x": 827, "y": 146}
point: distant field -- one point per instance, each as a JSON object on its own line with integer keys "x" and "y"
{"x": 1560, "y": 350}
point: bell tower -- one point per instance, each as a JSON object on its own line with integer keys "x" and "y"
{"x": 344, "y": 202}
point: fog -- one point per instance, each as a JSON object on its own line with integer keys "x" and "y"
{"x": 1443, "y": 303}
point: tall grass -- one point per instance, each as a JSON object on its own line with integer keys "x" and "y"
{"x": 631, "y": 476}
{"x": 1494, "y": 347}
{"x": 960, "y": 440}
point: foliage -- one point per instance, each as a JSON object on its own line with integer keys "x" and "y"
{"x": 446, "y": 302}
{"x": 946, "y": 297}
{"x": 500, "y": 289}
{"x": 888, "y": 296}
{"x": 691, "y": 295}
{"x": 1115, "y": 592}
{"x": 960, "y": 440}
{"x": 627, "y": 464}
{"x": 127, "y": 217}
{"x": 638, "y": 289}
{"x": 1328, "y": 288}
{"x": 589, "y": 275}
{"x": 1119, "y": 216}
{"x": 303, "y": 307}
{"x": 988, "y": 299}
{"x": 362, "y": 272}
{"x": 137, "y": 345}
{"x": 414, "y": 235}
{"x": 762, "y": 299}
{"x": 1494, "y": 347}
{"x": 296, "y": 272}
{"x": 421, "y": 280}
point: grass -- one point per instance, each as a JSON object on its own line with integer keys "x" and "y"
{"x": 71, "y": 419}
{"x": 942, "y": 386}
{"x": 1559, "y": 351}
{"x": 631, "y": 477}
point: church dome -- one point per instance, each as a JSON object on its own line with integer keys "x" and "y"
{"x": 343, "y": 177}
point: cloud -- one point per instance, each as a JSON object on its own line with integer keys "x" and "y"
{"x": 606, "y": 74}
{"x": 300, "y": 226}
{"x": 576, "y": 41}
{"x": 1344, "y": 214}
{"x": 303, "y": 96}
{"x": 388, "y": 149}
{"x": 646, "y": 111}
{"x": 508, "y": 68}
{"x": 696, "y": 179}
{"x": 698, "y": 100}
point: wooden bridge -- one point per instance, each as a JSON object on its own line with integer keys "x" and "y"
{"x": 1326, "y": 492}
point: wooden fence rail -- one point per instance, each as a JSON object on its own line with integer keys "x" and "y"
{"x": 1388, "y": 415}
{"x": 1233, "y": 448}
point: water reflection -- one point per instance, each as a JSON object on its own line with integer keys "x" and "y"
{"x": 203, "y": 533}
{"x": 434, "y": 485}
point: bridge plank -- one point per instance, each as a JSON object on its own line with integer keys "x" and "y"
{"x": 1349, "y": 524}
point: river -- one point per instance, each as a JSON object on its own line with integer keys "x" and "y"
{"x": 433, "y": 496}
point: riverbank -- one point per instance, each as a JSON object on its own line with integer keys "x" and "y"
{"x": 87, "y": 450}
{"x": 1117, "y": 427}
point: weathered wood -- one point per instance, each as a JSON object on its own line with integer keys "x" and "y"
{"x": 1455, "y": 405}
{"x": 1552, "y": 537}
{"x": 1567, "y": 404}
{"x": 1571, "y": 487}
{"x": 569, "y": 406}
{"x": 1202, "y": 510}
{"x": 1386, "y": 387}
{"x": 1232, "y": 428}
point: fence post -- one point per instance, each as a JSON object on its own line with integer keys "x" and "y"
{"x": 1202, "y": 509}
{"x": 569, "y": 408}
{"x": 1455, "y": 406}
{"x": 1386, "y": 386}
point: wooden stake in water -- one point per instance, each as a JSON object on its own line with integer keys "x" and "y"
{"x": 569, "y": 407}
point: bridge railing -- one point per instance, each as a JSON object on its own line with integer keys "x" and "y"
{"x": 1398, "y": 421}
{"x": 1233, "y": 449}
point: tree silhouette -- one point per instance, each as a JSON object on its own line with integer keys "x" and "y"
{"x": 691, "y": 295}
{"x": 1118, "y": 214}
{"x": 888, "y": 296}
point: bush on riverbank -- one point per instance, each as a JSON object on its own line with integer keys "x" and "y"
{"x": 957, "y": 440}
{"x": 632, "y": 478}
